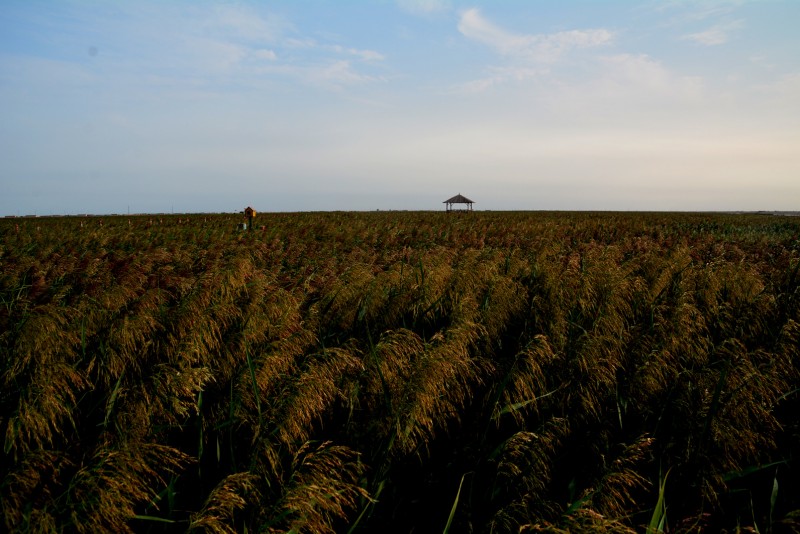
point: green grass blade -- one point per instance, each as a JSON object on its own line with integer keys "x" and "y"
{"x": 153, "y": 518}
{"x": 773, "y": 498}
{"x": 509, "y": 408}
{"x": 455, "y": 506}
{"x": 112, "y": 399}
{"x": 659, "y": 517}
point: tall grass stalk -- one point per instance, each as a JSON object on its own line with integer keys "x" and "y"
{"x": 658, "y": 521}
{"x": 454, "y": 507}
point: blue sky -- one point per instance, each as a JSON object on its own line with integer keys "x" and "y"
{"x": 300, "y": 105}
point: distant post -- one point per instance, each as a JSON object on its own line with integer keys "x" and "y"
{"x": 250, "y": 214}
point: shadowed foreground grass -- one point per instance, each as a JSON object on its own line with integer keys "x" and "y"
{"x": 390, "y": 372}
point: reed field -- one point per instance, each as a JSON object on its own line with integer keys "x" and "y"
{"x": 342, "y": 372}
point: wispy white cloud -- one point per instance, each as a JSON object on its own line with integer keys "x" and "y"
{"x": 252, "y": 38}
{"x": 424, "y": 7}
{"x": 330, "y": 74}
{"x": 213, "y": 55}
{"x": 715, "y": 35}
{"x": 264, "y": 53}
{"x": 697, "y": 10}
{"x": 339, "y": 73}
{"x": 545, "y": 48}
{"x": 244, "y": 23}
{"x": 299, "y": 42}
{"x": 328, "y": 66}
{"x": 498, "y": 76}
{"x": 245, "y": 46}
{"x": 624, "y": 76}
{"x": 524, "y": 56}
{"x": 705, "y": 22}
{"x": 365, "y": 55}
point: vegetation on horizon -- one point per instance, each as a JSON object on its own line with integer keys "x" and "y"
{"x": 357, "y": 372}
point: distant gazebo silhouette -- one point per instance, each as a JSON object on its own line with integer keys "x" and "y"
{"x": 458, "y": 199}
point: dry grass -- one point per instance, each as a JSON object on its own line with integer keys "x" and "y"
{"x": 340, "y": 369}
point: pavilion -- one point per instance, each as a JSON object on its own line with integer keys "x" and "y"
{"x": 458, "y": 199}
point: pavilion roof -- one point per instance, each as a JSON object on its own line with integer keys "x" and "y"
{"x": 458, "y": 199}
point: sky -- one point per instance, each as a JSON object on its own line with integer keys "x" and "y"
{"x": 195, "y": 106}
